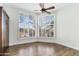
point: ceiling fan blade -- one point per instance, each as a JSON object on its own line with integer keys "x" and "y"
{"x": 47, "y": 12}
{"x": 41, "y": 5}
{"x": 50, "y": 8}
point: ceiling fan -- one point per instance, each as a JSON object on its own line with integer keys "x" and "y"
{"x": 43, "y": 9}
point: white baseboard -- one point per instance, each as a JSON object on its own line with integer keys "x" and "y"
{"x": 49, "y": 41}
{"x": 21, "y": 43}
{"x": 67, "y": 45}
{"x": 61, "y": 44}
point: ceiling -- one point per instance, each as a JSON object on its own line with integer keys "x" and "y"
{"x": 35, "y": 6}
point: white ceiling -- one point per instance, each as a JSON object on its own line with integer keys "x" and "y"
{"x": 35, "y": 6}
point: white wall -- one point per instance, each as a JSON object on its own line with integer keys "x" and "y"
{"x": 13, "y": 25}
{"x": 68, "y": 26}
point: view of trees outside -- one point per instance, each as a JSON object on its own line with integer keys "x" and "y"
{"x": 27, "y": 26}
{"x": 46, "y": 24}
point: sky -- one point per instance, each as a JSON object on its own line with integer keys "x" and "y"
{"x": 27, "y": 22}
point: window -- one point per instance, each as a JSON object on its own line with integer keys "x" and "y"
{"x": 26, "y": 26}
{"x": 42, "y": 27}
{"x": 46, "y": 25}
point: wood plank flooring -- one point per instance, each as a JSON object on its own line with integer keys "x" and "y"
{"x": 41, "y": 49}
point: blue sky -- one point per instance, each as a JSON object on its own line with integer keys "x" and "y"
{"x": 26, "y": 21}
{"x": 45, "y": 20}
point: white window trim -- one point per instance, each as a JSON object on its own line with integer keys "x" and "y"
{"x": 37, "y": 33}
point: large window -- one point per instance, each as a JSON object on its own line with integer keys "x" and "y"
{"x": 42, "y": 27}
{"x": 26, "y": 26}
{"x": 46, "y": 25}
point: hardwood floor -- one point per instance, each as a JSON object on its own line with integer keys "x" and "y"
{"x": 41, "y": 49}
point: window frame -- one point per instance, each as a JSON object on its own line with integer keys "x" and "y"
{"x": 53, "y": 28}
{"x": 37, "y": 36}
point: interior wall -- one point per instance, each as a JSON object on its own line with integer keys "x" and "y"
{"x": 13, "y": 25}
{"x": 67, "y": 26}
{"x": 67, "y": 29}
